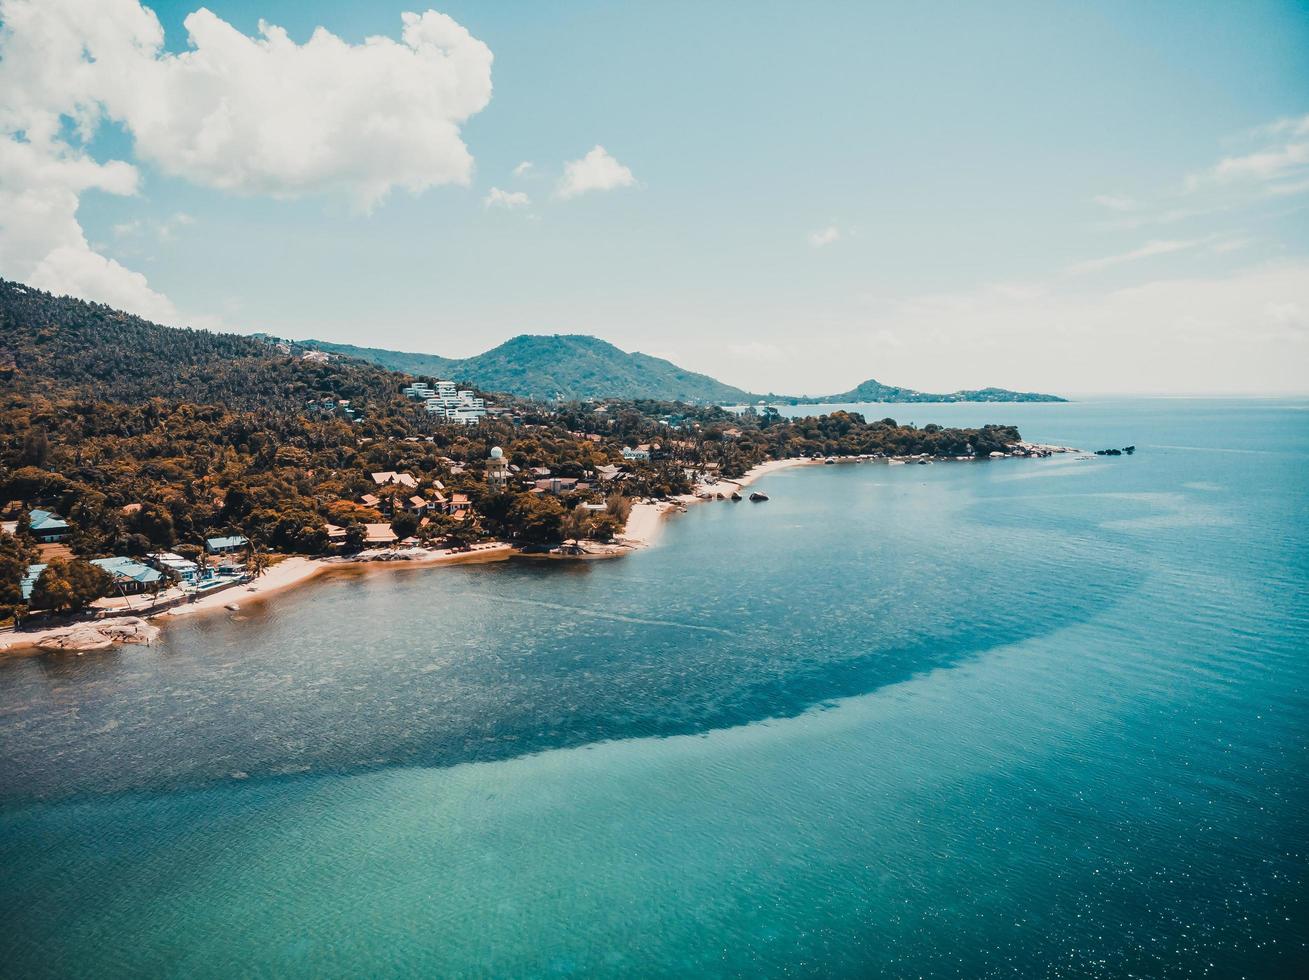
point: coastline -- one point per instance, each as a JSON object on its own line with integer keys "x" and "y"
{"x": 646, "y": 521}
{"x": 644, "y": 526}
{"x": 288, "y": 574}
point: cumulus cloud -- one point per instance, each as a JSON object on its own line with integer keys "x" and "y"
{"x": 506, "y": 199}
{"x": 597, "y": 171}
{"x": 248, "y": 115}
{"x": 824, "y": 236}
{"x": 522, "y": 169}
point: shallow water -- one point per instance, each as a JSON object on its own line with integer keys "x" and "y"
{"x": 1021, "y": 717}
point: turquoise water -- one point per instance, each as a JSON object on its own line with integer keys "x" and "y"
{"x": 1012, "y": 718}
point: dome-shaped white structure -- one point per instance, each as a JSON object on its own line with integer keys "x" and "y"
{"x": 497, "y": 452}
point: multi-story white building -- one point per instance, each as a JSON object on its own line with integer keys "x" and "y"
{"x": 447, "y": 401}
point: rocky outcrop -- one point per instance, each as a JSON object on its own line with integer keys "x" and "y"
{"x": 99, "y": 635}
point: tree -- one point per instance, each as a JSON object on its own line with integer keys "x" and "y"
{"x": 70, "y": 586}
{"x": 15, "y": 556}
{"x": 537, "y": 519}
{"x": 256, "y": 560}
{"x": 36, "y": 448}
{"x": 404, "y": 525}
{"x": 355, "y": 537}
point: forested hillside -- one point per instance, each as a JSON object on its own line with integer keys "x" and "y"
{"x": 95, "y": 350}
{"x": 573, "y": 366}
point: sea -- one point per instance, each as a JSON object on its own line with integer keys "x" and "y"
{"x": 1006, "y": 718}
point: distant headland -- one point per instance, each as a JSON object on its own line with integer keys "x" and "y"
{"x": 574, "y": 367}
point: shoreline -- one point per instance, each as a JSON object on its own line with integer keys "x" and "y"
{"x": 645, "y": 524}
{"x": 646, "y": 521}
{"x": 291, "y": 572}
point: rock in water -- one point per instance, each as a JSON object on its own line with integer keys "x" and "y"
{"x": 100, "y": 635}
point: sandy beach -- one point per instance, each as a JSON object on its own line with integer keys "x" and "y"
{"x": 287, "y": 574}
{"x": 646, "y": 521}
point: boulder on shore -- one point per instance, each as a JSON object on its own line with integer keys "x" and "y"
{"x": 101, "y": 634}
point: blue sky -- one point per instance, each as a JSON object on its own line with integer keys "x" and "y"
{"x": 936, "y": 195}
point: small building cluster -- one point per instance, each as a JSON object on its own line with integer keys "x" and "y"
{"x": 448, "y": 402}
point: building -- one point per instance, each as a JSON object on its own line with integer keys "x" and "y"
{"x": 335, "y": 535}
{"x": 226, "y": 545}
{"x": 130, "y": 576}
{"x": 557, "y": 484}
{"x": 449, "y": 403}
{"x": 183, "y": 569}
{"x": 391, "y": 477}
{"x": 639, "y": 454}
{"x": 29, "y": 580}
{"x": 48, "y": 526}
{"x": 497, "y": 468}
{"x": 379, "y": 534}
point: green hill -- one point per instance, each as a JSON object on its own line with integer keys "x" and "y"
{"x": 571, "y": 365}
{"x": 579, "y": 367}
{"x": 56, "y": 346}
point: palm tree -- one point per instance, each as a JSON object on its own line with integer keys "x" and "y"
{"x": 256, "y": 561}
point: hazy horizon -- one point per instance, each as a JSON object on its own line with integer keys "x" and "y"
{"x": 1036, "y": 197}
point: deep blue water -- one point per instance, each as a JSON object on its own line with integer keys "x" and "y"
{"x": 1005, "y": 718}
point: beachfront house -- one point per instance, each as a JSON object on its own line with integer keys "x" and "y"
{"x": 336, "y": 535}
{"x": 183, "y": 569}
{"x": 129, "y": 575}
{"x": 48, "y": 526}
{"x": 227, "y": 544}
{"x": 29, "y": 580}
{"x": 377, "y": 535}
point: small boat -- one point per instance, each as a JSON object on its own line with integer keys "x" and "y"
{"x": 829, "y": 461}
{"x": 736, "y": 497}
{"x": 757, "y": 496}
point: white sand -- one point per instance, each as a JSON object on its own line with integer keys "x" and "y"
{"x": 646, "y": 521}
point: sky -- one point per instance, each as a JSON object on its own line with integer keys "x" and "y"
{"x": 791, "y": 197}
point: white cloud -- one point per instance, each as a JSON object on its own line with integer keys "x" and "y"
{"x": 506, "y": 199}
{"x": 41, "y": 242}
{"x": 1115, "y": 202}
{"x": 1148, "y": 250}
{"x": 597, "y": 171}
{"x": 1264, "y": 165}
{"x": 1289, "y": 126}
{"x": 522, "y": 169}
{"x": 1285, "y": 153}
{"x": 248, "y": 115}
{"x": 824, "y": 236}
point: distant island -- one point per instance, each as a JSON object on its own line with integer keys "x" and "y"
{"x": 574, "y": 367}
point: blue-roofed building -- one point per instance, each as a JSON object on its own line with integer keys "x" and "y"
{"x": 48, "y": 526}
{"x": 29, "y": 580}
{"x": 184, "y": 569}
{"x": 233, "y": 542}
{"x": 130, "y": 576}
